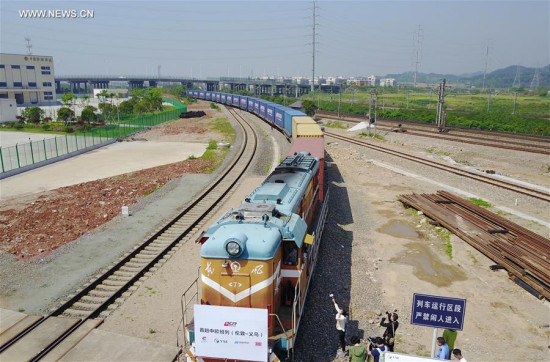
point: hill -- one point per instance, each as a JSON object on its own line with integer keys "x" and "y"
{"x": 500, "y": 78}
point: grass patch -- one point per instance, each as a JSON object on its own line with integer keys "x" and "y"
{"x": 212, "y": 145}
{"x": 338, "y": 125}
{"x": 480, "y": 202}
{"x": 214, "y": 106}
{"x": 192, "y": 157}
{"x": 378, "y": 136}
{"x": 21, "y": 310}
{"x": 152, "y": 331}
{"x": 151, "y": 290}
{"x": 222, "y": 125}
{"x": 502, "y": 213}
{"x": 438, "y": 152}
{"x": 155, "y": 188}
{"x": 445, "y": 236}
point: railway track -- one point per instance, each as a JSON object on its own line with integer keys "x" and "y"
{"x": 520, "y": 189}
{"x": 531, "y": 143}
{"x": 85, "y": 310}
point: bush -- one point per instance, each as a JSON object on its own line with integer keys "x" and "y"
{"x": 19, "y": 125}
{"x": 68, "y": 129}
{"x": 212, "y": 145}
{"x": 46, "y": 126}
{"x": 8, "y": 124}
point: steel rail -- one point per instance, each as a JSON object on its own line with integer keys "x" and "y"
{"x": 348, "y": 117}
{"x": 537, "y": 194}
{"x": 246, "y": 147}
{"x": 462, "y": 138}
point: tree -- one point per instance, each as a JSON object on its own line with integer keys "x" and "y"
{"x": 88, "y": 114}
{"x": 33, "y": 114}
{"x": 309, "y": 107}
{"x": 106, "y": 109}
{"x": 65, "y": 114}
{"x": 127, "y": 106}
{"x": 140, "y": 107}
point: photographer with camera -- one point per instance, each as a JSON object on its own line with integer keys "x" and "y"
{"x": 341, "y": 320}
{"x": 376, "y": 347}
{"x": 391, "y": 326}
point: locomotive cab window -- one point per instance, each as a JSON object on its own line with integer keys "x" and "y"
{"x": 290, "y": 255}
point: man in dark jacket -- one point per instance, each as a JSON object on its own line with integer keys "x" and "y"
{"x": 391, "y": 326}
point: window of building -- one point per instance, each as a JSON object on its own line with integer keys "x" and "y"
{"x": 3, "y": 95}
{"x": 48, "y": 96}
{"x": 45, "y": 72}
{"x": 3, "y": 84}
{"x": 44, "y": 67}
{"x": 2, "y": 66}
{"x": 32, "y": 84}
{"x": 17, "y": 84}
{"x": 46, "y": 84}
{"x": 15, "y": 67}
{"x": 30, "y": 66}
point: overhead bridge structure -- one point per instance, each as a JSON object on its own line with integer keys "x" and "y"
{"x": 83, "y": 84}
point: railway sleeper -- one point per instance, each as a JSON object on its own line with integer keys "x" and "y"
{"x": 124, "y": 274}
{"x": 144, "y": 257}
{"x": 149, "y": 252}
{"x": 135, "y": 264}
{"x": 104, "y": 290}
{"x": 85, "y": 306}
{"x": 76, "y": 313}
{"x": 92, "y": 300}
{"x": 115, "y": 282}
{"x": 131, "y": 270}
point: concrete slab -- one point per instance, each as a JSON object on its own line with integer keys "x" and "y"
{"x": 38, "y": 339}
{"x": 107, "y": 346}
{"x": 17, "y": 328}
{"x": 73, "y": 339}
{"x": 8, "y": 318}
{"x": 116, "y": 159}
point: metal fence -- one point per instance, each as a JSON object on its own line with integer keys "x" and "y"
{"x": 30, "y": 153}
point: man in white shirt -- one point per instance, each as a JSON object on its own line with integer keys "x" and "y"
{"x": 458, "y": 355}
{"x": 341, "y": 320}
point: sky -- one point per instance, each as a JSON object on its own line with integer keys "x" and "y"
{"x": 274, "y": 38}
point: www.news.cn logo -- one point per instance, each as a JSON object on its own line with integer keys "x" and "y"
{"x": 53, "y": 14}
{"x": 230, "y": 324}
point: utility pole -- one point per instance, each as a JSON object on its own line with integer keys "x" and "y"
{"x": 441, "y": 107}
{"x": 419, "y": 35}
{"x": 489, "y": 101}
{"x": 29, "y": 45}
{"x": 515, "y": 102}
{"x": 340, "y": 100}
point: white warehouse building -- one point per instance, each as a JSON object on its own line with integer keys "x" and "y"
{"x": 29, "y": 79}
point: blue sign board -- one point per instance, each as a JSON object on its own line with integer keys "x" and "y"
{"x": 438, "y": 312}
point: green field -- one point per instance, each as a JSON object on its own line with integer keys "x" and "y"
{"x": 532, "y": 113}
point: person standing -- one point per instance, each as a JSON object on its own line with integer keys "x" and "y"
{"x": 341, "y": 320}
{"x": 377, "y": 348}
{"x": 443, "y": 351}
{"x": 458, "y": 355}
{"x": 357, "y": 352}
{"x": 391, "y": 326}
{"x": 449, "y": 335}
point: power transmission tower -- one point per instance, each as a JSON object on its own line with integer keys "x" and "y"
{"x": 536, "y": 80}
{"x": 486, "y": 63}
{"x": 441, "y": 107}
{"x": 29, "y": 45}
{"x": 313, "y": 34}
{"x": 517, "y": 78}
{"x": 419, "y": 37}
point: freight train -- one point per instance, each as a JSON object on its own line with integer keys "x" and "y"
{"x": 262, "y": 254}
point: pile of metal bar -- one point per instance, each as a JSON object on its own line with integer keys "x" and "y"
{"x": 523, "y": 253}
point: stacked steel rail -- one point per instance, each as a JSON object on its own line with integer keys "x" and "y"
{"x": 523, "y": 253}
{"x": 104, "y": 292}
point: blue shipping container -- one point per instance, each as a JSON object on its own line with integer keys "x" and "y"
{"x": 280, "y": 117}
{"x": 270, "y": 112}
{"x": 236, "y": 100}
{"x": 250, "y": 107}
{"x": 262, "y": 109}
{"x": 222, "y": 98}
{"x": 244, "y": 102}
{"x": 202, "y": 95}
{"x": 257, "y": 106}
{"x": 289, "y": 113}
{"x": 209, "y": 96}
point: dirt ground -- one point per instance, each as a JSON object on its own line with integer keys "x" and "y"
{"x": 36, "y": 224}
{"x": 375, "y": 255}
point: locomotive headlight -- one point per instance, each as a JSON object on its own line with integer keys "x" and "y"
{"x": 233, "y": 248}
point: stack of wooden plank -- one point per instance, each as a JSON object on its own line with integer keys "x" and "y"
{"x": 523, "y": 253}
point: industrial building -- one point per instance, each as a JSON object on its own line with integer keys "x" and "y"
{"x": 29, "y": 79}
